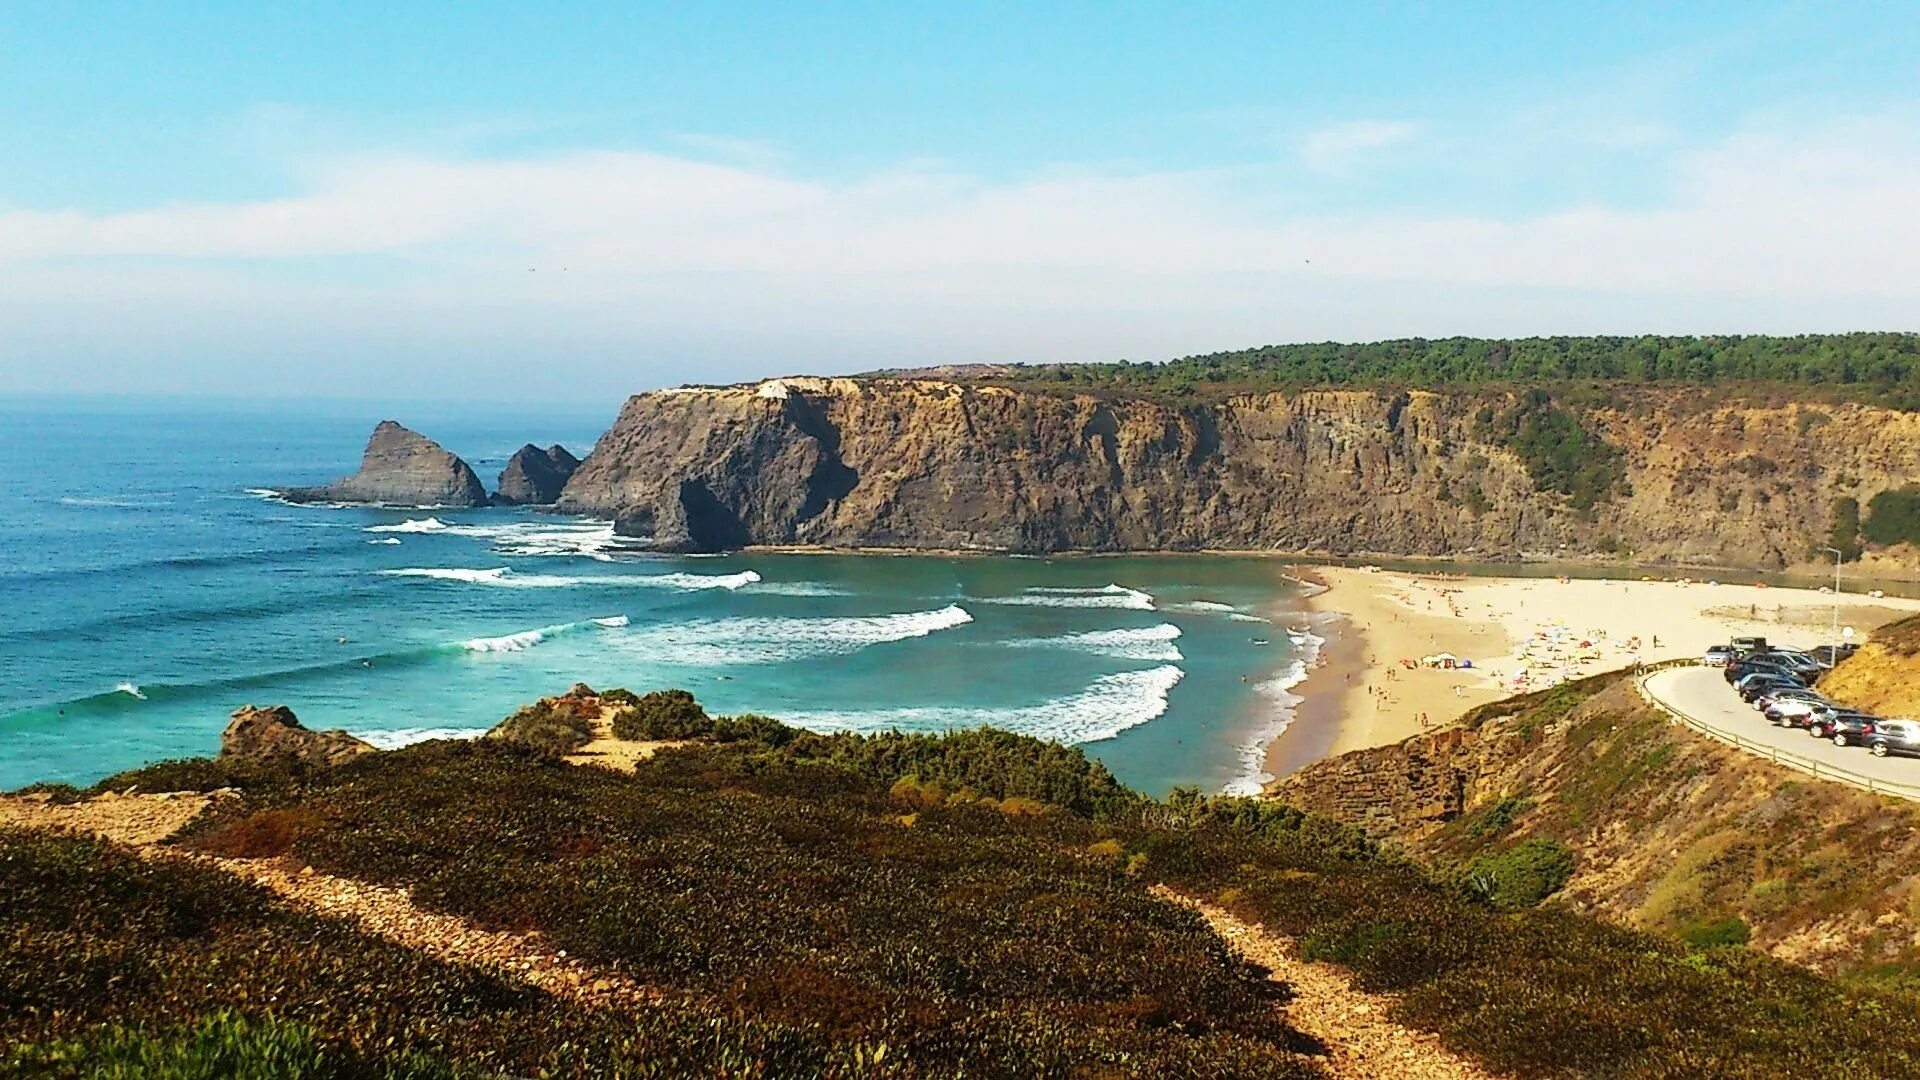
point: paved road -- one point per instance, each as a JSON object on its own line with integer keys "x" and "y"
{"x": 1702, "y": 695}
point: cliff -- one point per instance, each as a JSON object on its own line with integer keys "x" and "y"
{"x": 1669, "y": 830}
{"x": 535, "y": 477}
{"x": 927, "y": 463}
{"x": 401, "y": 468}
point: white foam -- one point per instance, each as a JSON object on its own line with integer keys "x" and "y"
{"x": 1155, "y": 643}
{"x": 520, "y": 642}
{"x": 131, "y": 689}
{"x": 1108, "y": 706}
{"x": 590, "y": 539}
{"x": 389, "y": 541}
{"x": 497, "y": 576}
{"x": 799, "y": 588}
{"x": 103, "y": 502}
{"x": 1213, "y": 607}
{"x": 504, "y": 577}
{"x": 399, "y": 737}
{"x": 527, "y": 639}
{"x": 727, "y": 642}
{"x": 412, "y": 525}
{"x": 1107, "y": 596}
{"x": 1252, "y": 776}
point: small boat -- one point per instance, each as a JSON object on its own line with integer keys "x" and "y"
{"x": 1260, "y": 641}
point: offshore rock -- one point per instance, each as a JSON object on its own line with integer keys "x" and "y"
{"x": 275, "y": 734}
{"x": 535, "y": 477}
{"x": 401, "y": 468}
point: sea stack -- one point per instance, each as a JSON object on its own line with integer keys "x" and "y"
{"x": 275, "y": 734}
{"x": 535, "y": 477}
{"x": 401, "y": 468}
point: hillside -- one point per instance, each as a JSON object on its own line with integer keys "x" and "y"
{"x": 1883, "y": 677}
{"x": 767, "y": 902}
{"x": 1653, "y": 473}
{"x": 1667, "y": 830}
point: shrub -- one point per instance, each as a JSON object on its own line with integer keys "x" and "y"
{"x": 1521, "y": 876}
{"x": 1893, "y": 517}
{"x": 663, "y": 714}
{"x": 1731, "y": 930}
{"x": 1844, "y": 536}
{"x": 551, "y": 725}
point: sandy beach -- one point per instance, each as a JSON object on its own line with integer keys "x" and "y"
{"x": 1370, "y": 686}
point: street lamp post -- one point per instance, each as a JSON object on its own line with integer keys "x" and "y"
{"x": 1835, "y": 639}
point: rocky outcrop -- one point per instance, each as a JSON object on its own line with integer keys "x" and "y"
{"x": 401, "y": 468}
{"x": 927, "y": 463}
{"x": 535, "y": 477}
{"x": 274, "y": 734}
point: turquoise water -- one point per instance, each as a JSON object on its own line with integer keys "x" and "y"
{"x": 150, "y": 589}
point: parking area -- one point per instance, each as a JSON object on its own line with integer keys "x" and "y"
{"x": 1702, "y": 695}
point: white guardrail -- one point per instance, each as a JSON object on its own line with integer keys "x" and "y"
{"x": 1787, "y": 758}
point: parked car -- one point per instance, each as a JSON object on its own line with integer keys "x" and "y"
{"x": 1830, "y": 655}
{"x": 1895, "y": 737}
{"x": 1795, "y": 661}
{"x": 1718, "y": 656}
{"x": 1748, "y": 669}
{"x": 1792, "y": 693}
{"x": 1796, "y": 713}
{"x": 1746, "y": 646}
{"x": 1844, "y": 727}
{"x": 1754, "y": 685}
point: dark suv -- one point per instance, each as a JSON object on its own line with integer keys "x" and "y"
{"x": 1735, "y": 672}
{"x": 1844, "y": 728}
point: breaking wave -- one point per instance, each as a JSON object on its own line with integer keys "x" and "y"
{"x": 1108, "y": 706}
{"x": 586, "y": 539}
{"x": 1214, "y": 607}
{"x": 399, "y": 737}
{"x": 724, "y": 642}
{"x": 1154, "y": 643}
{"x": 1106, "y": 596}
{"x": 504, "y": 577}
{"x": 1252, "y": 776}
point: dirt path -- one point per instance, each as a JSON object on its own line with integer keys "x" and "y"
{"x": 392, "y": 914}
{"x": 142, "y": 821}
{"x": 1363, "y": 1043}
{"x": 621, "y": 754}
{"x": 132, "y": 819}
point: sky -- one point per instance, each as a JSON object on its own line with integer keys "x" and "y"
{"x": 569, "y": 201}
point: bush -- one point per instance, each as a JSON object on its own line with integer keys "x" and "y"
{"x": 663, "y": 714}
{"x": 1521, "y": 876}
{"x": 1893, "y": 517}
{"x": 1712, "y": 933}
{"x": 554, "y": 726}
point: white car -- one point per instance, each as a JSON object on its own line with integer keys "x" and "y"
{"x": 1795, "y": 712}
{"x": 1718, "y": 656}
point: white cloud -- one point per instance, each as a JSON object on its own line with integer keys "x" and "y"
{"x": 697, "y": 263}
{"x": 1338, "y": 150}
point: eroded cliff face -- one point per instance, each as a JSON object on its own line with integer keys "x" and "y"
{"x": 921, "y": 463}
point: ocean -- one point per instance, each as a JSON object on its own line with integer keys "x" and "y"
{"x": 151, "y": 586}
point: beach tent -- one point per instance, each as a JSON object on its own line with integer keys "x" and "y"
{"x": 1440, "y": 660}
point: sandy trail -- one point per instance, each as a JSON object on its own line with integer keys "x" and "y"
{"x": 1362, "y": 1042}
{"x": 622, "y": 754}
{"x": 142, "y": 821}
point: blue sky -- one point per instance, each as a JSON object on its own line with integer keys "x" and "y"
{"x": 374, "y": 199}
